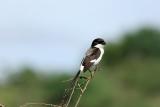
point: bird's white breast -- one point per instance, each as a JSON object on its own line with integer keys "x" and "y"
{"x": 100, "y": 57}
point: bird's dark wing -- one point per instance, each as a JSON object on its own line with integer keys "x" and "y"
{"x": 91, "y": 54}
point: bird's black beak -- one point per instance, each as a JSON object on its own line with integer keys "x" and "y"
{"x": 104, "y": 43}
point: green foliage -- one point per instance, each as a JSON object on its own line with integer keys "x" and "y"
{"x": 27, "y": 86}
{"x": 142, "y": 43}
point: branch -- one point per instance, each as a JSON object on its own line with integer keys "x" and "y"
{"x": 72, "y": 92}
{"x": 84, "y": 89}
{"x": 44, "y": 104}
{"x": 82, "y": 92}
{"x": 81, "y": 86}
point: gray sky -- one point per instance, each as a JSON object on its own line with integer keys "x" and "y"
{"x": 43, "y": 32}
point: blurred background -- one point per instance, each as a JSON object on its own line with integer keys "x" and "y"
{"x": 42, "y": 44}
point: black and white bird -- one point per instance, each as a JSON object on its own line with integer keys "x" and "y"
{"x": 92, "y": 57}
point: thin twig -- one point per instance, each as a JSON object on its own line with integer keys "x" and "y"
{"x": 82, "y": 92}
{"x": 72, "y": 92}
{"x": 80, "y": 87}
{"x": 44, "y": 104}
{"x": 73, "y": 88}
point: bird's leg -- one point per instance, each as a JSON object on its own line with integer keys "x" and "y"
{"x": 96, "y": 68}
{"x": 87, "y": 78}
{"x": 91, "y": 73}
{"x": 84, "y": 77}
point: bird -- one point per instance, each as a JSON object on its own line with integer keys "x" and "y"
{"x": 92, "y": 57}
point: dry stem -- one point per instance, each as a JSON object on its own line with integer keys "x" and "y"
{"x": 73, "y": 89}
{"x": 82, "y": 92}
{"x": 44, "y": 104}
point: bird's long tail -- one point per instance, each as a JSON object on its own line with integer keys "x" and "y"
{"x": 76, "y": 76}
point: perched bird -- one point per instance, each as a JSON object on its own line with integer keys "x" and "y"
{"x": 92, "y": 57}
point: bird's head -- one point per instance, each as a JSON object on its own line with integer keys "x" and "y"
{"x": 98, "y": 42}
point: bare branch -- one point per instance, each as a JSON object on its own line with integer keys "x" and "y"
{"x": 82, "y": 92}
{"x": 44, "y": 104}
{"x": 72, "y": 92}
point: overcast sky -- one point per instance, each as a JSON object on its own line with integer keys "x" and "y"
{"x": 56, "y": 33}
